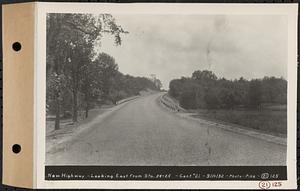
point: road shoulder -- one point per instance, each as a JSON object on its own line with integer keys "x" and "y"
{"x": 172, "y": 106}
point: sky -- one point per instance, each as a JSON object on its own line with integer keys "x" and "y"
{"x": 172, "y": 46}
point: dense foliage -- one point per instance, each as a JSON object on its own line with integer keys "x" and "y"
{"x": 78, "y": 77}
{"x": 205, "y": 90}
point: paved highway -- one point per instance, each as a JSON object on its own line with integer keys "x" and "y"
{"x": 142, "y": 132}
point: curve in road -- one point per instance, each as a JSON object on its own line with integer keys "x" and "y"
{"x": 142, "y": 132}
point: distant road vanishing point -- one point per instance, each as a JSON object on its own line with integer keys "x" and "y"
{"x": 142, "y": 132}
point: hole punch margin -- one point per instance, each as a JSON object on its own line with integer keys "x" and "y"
{"x": 16, "y": 148}
{"x": 16, "y": 46}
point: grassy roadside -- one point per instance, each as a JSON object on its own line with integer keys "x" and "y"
{"x": 67, "y": 126}
{"x": 55, "y": 138}
{"x": 269, "y": 121}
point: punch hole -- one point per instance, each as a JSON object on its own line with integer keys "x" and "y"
{"x": 16, "y": 46}
{"x": 16, "y": 148}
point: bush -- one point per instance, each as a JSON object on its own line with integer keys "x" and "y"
{"x": 188, "y": 100}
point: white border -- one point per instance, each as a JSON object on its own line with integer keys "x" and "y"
{"x": 160, "y": 8}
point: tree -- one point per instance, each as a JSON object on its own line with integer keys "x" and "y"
{"x": 255, "y": 93}
{"x": 204, "y": 76}
{"x": 211, "y": 99}
{"x": 228, "y": 98}
{"x": 55, "y": 88}
{"x": 91, "y": 86}
{"x": 205, "y": 90}
{"x": 157, "y": 83}
{"x": 174, "y": 88}
{"x": 70, "y": 46}
{"x": 78, "y": 61}
{"x": 107, "y": 69}
{"x": 274, "y": 90}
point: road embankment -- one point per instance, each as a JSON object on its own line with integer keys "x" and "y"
{"x": 172, "y": 105}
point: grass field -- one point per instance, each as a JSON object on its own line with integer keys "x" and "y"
{"x": 268, "y": 120}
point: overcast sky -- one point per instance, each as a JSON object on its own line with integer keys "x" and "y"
{"x": 171, "y": 46}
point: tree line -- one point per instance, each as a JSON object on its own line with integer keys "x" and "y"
{"x": 205, "y": 90}
{"x": 78, "y": 77}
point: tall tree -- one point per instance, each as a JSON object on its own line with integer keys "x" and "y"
{"x": 91, "y": 86}
{"x": 107, "y": 68}
{"x": 70, "y": 45}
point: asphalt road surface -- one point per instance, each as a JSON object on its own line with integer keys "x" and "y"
{"x": 142, "y": 132}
